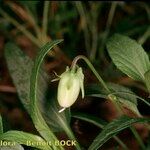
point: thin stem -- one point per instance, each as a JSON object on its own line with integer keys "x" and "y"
{"x": 138, "y": 138}
{"x": 74, "y": 62}
{"x": 72, "y": 137}
{"x": 58, "y": 53}
{"x": 108, "y": 25}
{"x": 83, "y": 17}
{"x": 131, "y": 95}
{"x": 45, "y": 20}
{"x": 135, "y": 133}
{"x": 145, "y": 36}
{"x": 34, "y": 23}
{"x": 113, "y": 99}
{"x": 121, "y": 143}
{"x": 25, "y": 15}
{"x": 20, "y": 27}
{"x": 138, "y": 97}
{"x": 94, "y": 31}
{"x": 147, "y": 9}
{"x": 100, "y": 125}
{"x": 111, "y": 15}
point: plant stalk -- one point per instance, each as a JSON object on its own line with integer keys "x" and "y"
{"x": 73, "y": 66}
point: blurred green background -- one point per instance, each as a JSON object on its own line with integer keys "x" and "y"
{"x": 85, "y": 28}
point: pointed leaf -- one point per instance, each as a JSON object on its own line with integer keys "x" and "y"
{"x": 114, "y": 128}
{"x": 35, "y": 112}
{"x": 124, "y": 95}
{"x": 128, "y": 56}
{"x": 24, "y": 138}
{"x": 16, "y": 146}
{"x": 20, "y": 67}
{"x": 97, "y": 122}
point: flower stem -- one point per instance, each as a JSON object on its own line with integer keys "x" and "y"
{"x": 73, "y": 66}
{"x": 131, "y": 94}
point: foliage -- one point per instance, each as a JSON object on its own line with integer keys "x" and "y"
{"x": 80, "y": 25}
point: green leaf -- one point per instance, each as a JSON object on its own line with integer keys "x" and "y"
{"x": 36, "y": 115}
{"x": 1, "y": 125}
{"x": 16, "y": 146}
{"x": 97, "y": 122}
{"x": 57, "y": 121}
{"x": 128, "y": 56}
{"x": 35, "y": 112}
{"x": 123, "y": 95}
{"x": 20, "y": 67}
{"x": 147, "y": 80}
{"x": 25, "y": 139}
{"x": 36, "y": 70}
{"x": 89, "y": 118}
{"x": 114, "y": 128}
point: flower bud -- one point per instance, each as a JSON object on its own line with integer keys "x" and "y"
{"x": 69, "y": 87}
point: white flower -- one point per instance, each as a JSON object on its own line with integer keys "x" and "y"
{"x": 69, "y": 87}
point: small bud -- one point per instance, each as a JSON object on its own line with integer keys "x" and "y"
{"x": 69, "y": 87}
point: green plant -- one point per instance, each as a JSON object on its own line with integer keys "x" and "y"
{"x": 50, "y": 113}
{"x": 124, "y": 52}
{"x": 54, "y": 20}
